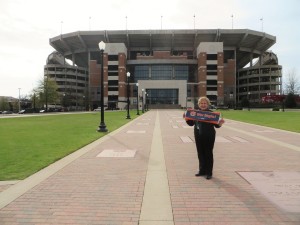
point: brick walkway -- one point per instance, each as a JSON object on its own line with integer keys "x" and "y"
{"x": 88, "y": 189}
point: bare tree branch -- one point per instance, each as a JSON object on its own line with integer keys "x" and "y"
{"x": 292, "y": 83}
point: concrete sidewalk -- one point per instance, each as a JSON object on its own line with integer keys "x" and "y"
{"x": 143, "y": 174}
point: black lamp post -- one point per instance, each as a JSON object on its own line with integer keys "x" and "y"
{"x": 19, "y": 100}
{"x": 46, "y": 92}
{"x": 231, "y": 100}
{"x": 143, "y": 109}
{"x": 102, "y": 126}
{"x": 46, "y": 83}
{"x": 83, "y": 102}
{"x": 34, "y": 102}
{"x": 146, "y": 95}
{"x": 283, "y": 98}
{"x": 137, "y": 99}
{"x": 249, "y": 101}
{"x": 128, "y": 116}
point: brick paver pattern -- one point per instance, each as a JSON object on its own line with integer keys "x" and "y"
{"x": 109, "y": 190}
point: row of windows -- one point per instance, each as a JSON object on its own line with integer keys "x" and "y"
{"x": 161, "y": 72}
{"x": 71, "y": 77}
{"x": 74, "y": 71}
{"x": 162, "y": 96}
{"x": 188, "y": 54}
{"x": 257, "y": 88}
{"x": 70, "y": 90}
{"x": 64, "y": 83}
{"x": 257, "y": 80}
{"x": 271, "y": 71}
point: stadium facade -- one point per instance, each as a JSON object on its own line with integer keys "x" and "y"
{"x": 172, "y": 67}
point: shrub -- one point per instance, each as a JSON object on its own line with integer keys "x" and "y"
{"x": 275, "y": 109}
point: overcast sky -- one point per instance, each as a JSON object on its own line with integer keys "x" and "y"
{"x": 27, "y": 26}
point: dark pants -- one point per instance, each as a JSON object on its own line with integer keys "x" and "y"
{"x": 205, "y": 144}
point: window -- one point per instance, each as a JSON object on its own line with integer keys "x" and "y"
{"x": 162, "y": 96}
{"x": 211, "y": 67}
{"x": 113, "y": 58}
{"x": 113, "y": 82}
{"x": 181, "y": 72}
{"x": 211, "y": 82}
{"x": 113, "y": 67}
{"x": 113, "y": 73}
{"x": 161, "y": 72}
{"x": 113, "y": 88}
{"x": 141, "y": 73}
{"x": 211, "y": 57}
{"x": 212, "y": 73}
{"x": 211, "y": 88}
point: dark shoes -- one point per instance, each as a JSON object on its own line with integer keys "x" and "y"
{"x": 200, "y": 174}
{"x": 208, "y": 177}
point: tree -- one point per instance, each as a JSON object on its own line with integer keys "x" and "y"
{"x": 245, "y": 102}
{"x": 292, "y": 83}
{"x": 290, "y": 101}
{"x": 46, "y": 92}
{"x": 4, "y": 105}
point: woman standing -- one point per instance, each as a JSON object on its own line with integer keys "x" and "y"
{"x": 205, "y": 139}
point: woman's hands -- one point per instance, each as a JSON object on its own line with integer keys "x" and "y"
{"x": 221, "y": 122}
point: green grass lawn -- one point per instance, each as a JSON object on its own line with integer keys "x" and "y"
{"x": 28, "y": 144}
{"x": 282, "y": 120}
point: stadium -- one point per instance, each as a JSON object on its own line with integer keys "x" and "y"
{"x": 171, "y": 67}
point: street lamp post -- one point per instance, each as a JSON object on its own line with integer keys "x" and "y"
{"x": 231, "y": 99}
{"x": 128, "y": 115}
{"x": 83, "y": 103}
{"x": 19, "y": 100}
{"x": 46, "y": 91}
{"x": 143, "y": 110}
{"x": 102, "y": 126}
{"x": 146, "y": 106}
{"x": 34, "y": 102}
{"x": 249, "y": 101}
{"x": 137, "y": 99}
{"x": 145, "y": 101}
{"x": 283, "y": 98}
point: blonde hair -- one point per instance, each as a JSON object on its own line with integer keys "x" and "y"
{"x": 205, "y": 99}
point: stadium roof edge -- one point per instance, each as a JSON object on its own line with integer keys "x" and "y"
{"x": 245, "y": 41}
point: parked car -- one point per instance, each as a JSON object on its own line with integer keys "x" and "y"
{"x": 7, "y": 112}
{"x": 99, "y": 108}
{"x": 22, "y": 111}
